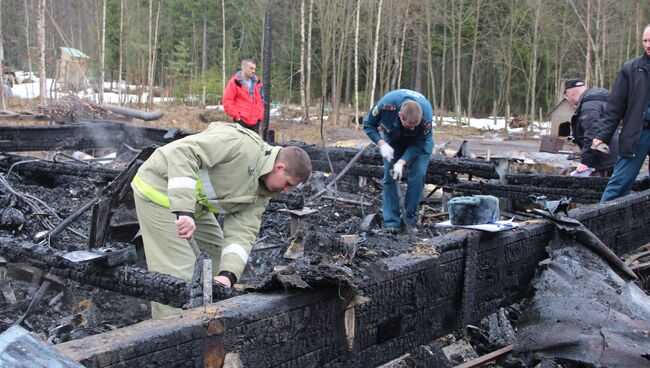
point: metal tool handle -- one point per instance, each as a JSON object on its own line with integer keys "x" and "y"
{"x": 194, "y": 246}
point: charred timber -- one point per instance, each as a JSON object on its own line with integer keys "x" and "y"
{"x": 375, "y": 171}
{"x": 510, "y": 191}
{"x": 437, "y": 165}
{"x": 127, "y": 280}
{"x": 520, "y": 186}
{"x": 558, "y": 181}
{"x": 407, "y": 301}
{"x": 84, "y": 135}
{"x": 49, "y": 169}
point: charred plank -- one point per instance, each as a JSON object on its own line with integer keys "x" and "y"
{"x": 128, "y": 280}
{"x": 437, "y": 165}
{"x": 84, "y": 135}
{"x": 377, "y": 171}
{"x": 523, "y": 191}
{"x": 51, "y": 170}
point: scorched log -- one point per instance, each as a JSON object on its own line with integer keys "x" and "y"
{"x": 127, "y": 280}
{"x": 49, "y": 169}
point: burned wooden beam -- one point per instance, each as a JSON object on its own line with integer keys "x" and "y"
{"x": 408, "y": 300}
{"x": 51, "y": 170}
{"x": 377, "y": 171}
{"x": 114, "y": 194}
{"x": 84, "y": 135}
{"x": 128, "y": 280}
{"x": 437, "y": 165}
{"x": 580, "y": 189}
{"x": 466, "y": 187}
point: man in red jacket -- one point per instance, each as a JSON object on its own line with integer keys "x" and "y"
{"x": 243, "y": 98}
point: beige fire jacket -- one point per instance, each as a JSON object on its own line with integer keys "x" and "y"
{"x": 217, "y": 170}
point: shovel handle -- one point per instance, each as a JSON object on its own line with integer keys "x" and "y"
{"x": 194, "y": 246}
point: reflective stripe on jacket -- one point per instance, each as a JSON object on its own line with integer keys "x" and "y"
{"x": 218, "y": 170}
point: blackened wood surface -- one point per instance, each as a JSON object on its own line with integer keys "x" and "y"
{"x": 111, "y": 197}
{"x": 84, "y": 135}
{"x": 437, "y": 165}
{"x": 51, "y": 170}
{"x": 407, "y": 301}
{"x": 128, "y": 280}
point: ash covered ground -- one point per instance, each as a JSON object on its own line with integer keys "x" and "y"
{"x": 318, "y": 254}
{"x": 74, "y": 310}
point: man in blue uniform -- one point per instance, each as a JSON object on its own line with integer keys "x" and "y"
{"x": 406, "y": 139}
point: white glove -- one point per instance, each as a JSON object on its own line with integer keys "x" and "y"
{"x": 386, "y": 151}
{"x": 398, "y": 170}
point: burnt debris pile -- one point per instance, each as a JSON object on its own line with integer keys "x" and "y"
{"x": 71, "y": 264}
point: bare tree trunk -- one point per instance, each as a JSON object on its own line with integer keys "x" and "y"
{"x": 40, "y": 30}
{"x": 431, "y": 76}
{"x": 309, "y": 24}
{"x": 508, "y": 66}
{"x": 374, "y": 56}
{"x": 443, "y": 74}
{"x": 639, "y": 25}
{"x": 102, "y": 54}
{"x": 356, "y": 65}
{"x": 458, "y": 87}
{"x": 401, "y": 51}
{"x": 338, "y": 61}
{"x": 603, "y": 49}
{"x": 533, "y": 73}
{"x": 119, "y": 68}
{"x": 3, "y": 105}
{"x": 588, "y": 57}
{"x": 348, "y": 72}
{"x": 417, "y": 62}
{"x": 596, "y": 46}
{"x": 204, "y": 55}
{"x": 303, "y": 96}
{"x": 29, "y": 54}
{"x": 223, "y": 53}
{"x": 150, "y": 45}
{"x": 152, "y": 65}
{"x": 470, "y": 90}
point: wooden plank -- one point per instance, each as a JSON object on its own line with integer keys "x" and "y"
{"x": 486, "y": 358}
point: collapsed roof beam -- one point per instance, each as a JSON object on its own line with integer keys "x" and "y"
{"x": 86, "y": 135}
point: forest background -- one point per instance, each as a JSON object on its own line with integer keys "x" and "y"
{"x": 469, "y": 57}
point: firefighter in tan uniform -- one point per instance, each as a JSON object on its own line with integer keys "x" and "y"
{"x": 226, "y": 170}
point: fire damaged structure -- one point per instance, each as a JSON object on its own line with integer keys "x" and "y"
{"x": 325, "y": 286}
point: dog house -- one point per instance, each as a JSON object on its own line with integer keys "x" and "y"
{"x": 561, "y": 118}
{"x": 560, "y": 126}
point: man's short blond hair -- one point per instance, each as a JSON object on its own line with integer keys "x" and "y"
{"x": 298, "y": 164}
{"x": 411, "y": 111}
{"x": 247, "y": 61}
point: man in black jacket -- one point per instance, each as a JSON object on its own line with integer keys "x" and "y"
{"x": 629, "y": 100}
{"x": 590, "y": 109}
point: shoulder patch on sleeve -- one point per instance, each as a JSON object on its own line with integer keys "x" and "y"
{"x": 375, "y": 111}
{"x": 427, "y": 126}
{"x": 388, "y": 107}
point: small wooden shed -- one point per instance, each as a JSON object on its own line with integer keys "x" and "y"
{"x": 72, "y": 69}
{"x": 560, "y": 126}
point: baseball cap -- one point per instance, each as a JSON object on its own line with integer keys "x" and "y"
{"x": 573, "y": 82}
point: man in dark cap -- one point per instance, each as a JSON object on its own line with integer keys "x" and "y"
{"x": 630, "y": 102}
{"x": 590, "y": 109}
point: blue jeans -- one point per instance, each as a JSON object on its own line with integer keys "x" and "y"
{"x": 626, "y": 170}
{"x": 415, "y": 185}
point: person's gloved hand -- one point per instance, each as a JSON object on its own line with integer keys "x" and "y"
{"x": 398, "y": 170}
{"x": 386, "y": 151}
